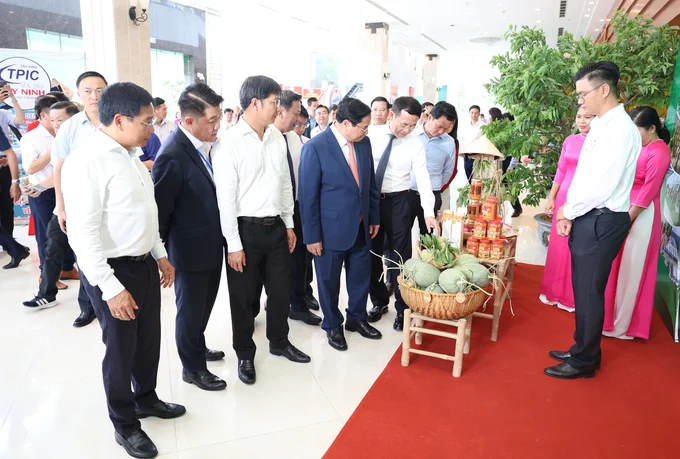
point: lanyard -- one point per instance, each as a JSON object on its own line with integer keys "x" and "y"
{"x": 207, "y": 163}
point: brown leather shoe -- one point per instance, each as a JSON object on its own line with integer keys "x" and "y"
{"x": 69, "y": 275}
{"x": 60, "y": 285}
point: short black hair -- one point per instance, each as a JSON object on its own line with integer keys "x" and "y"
{"x": 381, "y": 99}
{"x": 71, "y": 108}
{"x": 257, "y": 87}
{"x": 126, "y": 99}
{"x": 333, "y": 107}
{"x": 352, "y": 110}
{"x": 90, "y": 74}
{"x": 474, "y": 106}
{"x": 509, "y": 116}
{"x": 495, "y": 113}
{"x": 43, "y": 103}
{"x": 196, "y": 98}
{"x": 427, "y": 104}
{"x": 60, "y": 96}
{"x": 228, "y": 110}
{"x": 646, "y": 117}
{"x": 158, "y": 101}
{"x": 311, "y": 100}
{"x": 603, "y": 72}
{"x": 321, "y": 106}
{"x": 288, "y": 97}
{"x": 411, "y": 105}
{"x": 446, "y": 110}
{"x": 304, "y": 113}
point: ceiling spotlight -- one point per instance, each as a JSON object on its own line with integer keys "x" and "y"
{"x": 591, "y": 3}
{"x": 601, "y": 20}
{"x": 537, "y": 9}
{"x": 538, "y": 22}
{"x": 587, "y": 15}
{"x": 588, "y": 9}
{"x": 597, "y": 30}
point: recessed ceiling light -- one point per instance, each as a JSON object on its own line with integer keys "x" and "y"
{"x": 587, "y": 15}
{"x": 597, "y": 30}
{"x": 538, "y": 22}
{"x": 591, "y": 3}
{"x": 537, "y": 9}
{"x": 601, "y": 20}
{"x": 588, "y": 9}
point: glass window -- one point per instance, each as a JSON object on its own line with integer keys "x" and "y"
{"x": 41, "y": 40}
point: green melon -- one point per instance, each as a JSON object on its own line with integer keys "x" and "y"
{"x": 409, "y": 267}
{"x": 425, "y": 274}
{"x": 435, "y": 288}
{"x": 453, "y": 280}
{"x": 477, "y": 274}
{"x": 465, "y": 258}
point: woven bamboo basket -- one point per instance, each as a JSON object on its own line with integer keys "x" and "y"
{"x": 446, "y": 306}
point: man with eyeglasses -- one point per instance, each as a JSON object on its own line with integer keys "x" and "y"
{"x": 183, "y": 177}
{"x": 255, "y": 196}
{"x": 397, "y": 153}
{"x": 340, "y": 215}
{"x": 74, "y": 133}
{"x": 301, "y": 125}
{"x": 113, "y": 229}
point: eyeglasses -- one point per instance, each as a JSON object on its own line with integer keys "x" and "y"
{"x": 363, "y": 129}
{"x": 276, "y": 102}
{"x": 148, "y": 125}
{"x": 582, "y": 97}
{"x": 301, "y": 125}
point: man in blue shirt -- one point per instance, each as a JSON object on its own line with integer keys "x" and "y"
{"x": 440, "y": 150}
{"x": 150, "y": 150}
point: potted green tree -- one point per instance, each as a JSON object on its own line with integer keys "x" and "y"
{"x": 536, "y": 86}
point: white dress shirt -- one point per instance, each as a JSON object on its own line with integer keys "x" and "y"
{"x": 164, "y": 130}
{"x": 35, "y": 145}
{"x": 408, "y": 156}
{"x": 316, "y": 131}
{"x": 204, "y": 147}
{"x": 109, "y": 200}
{"x": 76, "y": 132}
{"x": 252, "y": 179}
{"x": 295, "y": 148}
{"x": 471, "y": 132}
{"x": 606, "y": 167}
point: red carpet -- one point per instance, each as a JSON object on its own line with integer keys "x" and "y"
{"x": 504, "y": 407}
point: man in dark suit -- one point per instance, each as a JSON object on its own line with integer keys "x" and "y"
{"x": 339, "y": 203}
{"x": 190, "y": 227}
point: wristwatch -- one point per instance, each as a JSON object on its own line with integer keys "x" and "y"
{"x": 17, "y": 181}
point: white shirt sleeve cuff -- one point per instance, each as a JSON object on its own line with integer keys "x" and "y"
{"x": 234, "y": 245}
{"x": 110, "y": 288}
{"x": 568, "y": 212}
{"x": 159, "y": 251}
{"x": 288, "y": 220}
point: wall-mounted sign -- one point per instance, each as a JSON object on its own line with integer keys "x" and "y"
{"x": 27, "y": 78}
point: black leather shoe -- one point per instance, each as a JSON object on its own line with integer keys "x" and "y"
{"x": 137, "y": 444}
{"x": 85, "y": 318}
{"x": 15, "y": 261}
{"x": 311, "y": 302}
{"x": 307, "y": 317}
{"x": 246, "y": 371}
{"x": 212, "y": 355}
{"x": 390, "y": 288}
{"x": 204, "y": 380}
{"x": 566, "y": 371}
{"x": 399, "y": 321}
{"x": 161, "y": 410}
{"x": 376, "y": 313}
{"x": 516, "y": 213}
{"x": 291, "y": 353}
{"x": 564, "y": 356}
{"x": 336, "y": 338}
{"x": 364, "y": 329}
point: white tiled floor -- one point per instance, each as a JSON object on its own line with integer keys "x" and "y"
{"x": 52, "y": 402}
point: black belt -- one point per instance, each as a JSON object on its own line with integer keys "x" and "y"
{"x": 136, "y": 259}
{"x": 433, "y": 191}
{"x": 391, "y": 195}
{"x": 264, "y": 221}
{"x": 601, "y": 211}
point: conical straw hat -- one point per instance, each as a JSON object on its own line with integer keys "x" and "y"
{"x": 483, "y": 147}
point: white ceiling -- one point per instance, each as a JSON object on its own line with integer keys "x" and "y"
{"x": 450, "y": 23}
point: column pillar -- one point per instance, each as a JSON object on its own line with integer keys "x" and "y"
{"x": 114, "y": 45}
{"x": 376, "y": 74}
{"x": 430, "y": 78}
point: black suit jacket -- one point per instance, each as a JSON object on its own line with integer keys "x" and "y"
{"x": 188, "y": 214}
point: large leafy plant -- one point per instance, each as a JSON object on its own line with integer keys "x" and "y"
{"x": 536, "y": 85}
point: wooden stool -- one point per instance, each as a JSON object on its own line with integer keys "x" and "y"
{"x": 462, "y": 337}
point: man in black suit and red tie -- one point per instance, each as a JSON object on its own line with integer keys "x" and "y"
{"x": 190, "y": 227}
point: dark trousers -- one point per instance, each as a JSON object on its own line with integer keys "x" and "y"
{"x": 6, "y": 202}
{"x": 395, "y": 231}
{"x": 516, "y": 205}
{"x": 357, "y": 261}
{"x": 301, "y": 272}
{"x": 594, "y": 242}
{"x": 195, "y": 293}
{"x": 417, "y": 209}
{"x": 55, "y": 252}
{"x": 469, "y": 164}
{"x": 132, "y": 347}
{"x": 265, "y": 244}
{"x": 42, "y": 209}
{"x": 12, "y": 247}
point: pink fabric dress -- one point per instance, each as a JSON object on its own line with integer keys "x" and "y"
{"x": 556, "y": 288}
{"x": 629, "y": 298}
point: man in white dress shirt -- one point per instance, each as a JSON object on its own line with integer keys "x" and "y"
{"x": 161, "y": 126}
{"x": 471, "y": 133}
{"x": 255, "y": 196}
{"x": 397, "y": 153}
{"x": 595, "y": 216}
{"x": 321, "y": 116}
{"x": 380, "y": 107}
{"x": 113, "y": 229}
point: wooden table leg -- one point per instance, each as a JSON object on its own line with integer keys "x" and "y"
{"x": 468, "y": 332}
{"x": 406, "y": 346}
{"x": 460, "y": 344}
{"x": 419, "y": 336}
